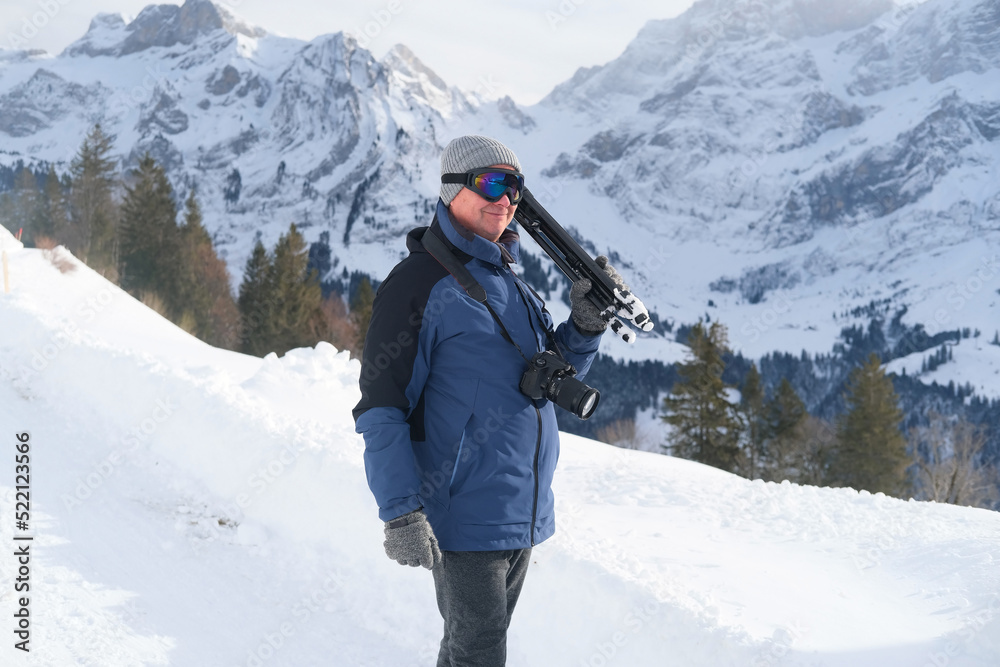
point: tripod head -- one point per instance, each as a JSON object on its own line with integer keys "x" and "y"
{"x": 577, "y": 264}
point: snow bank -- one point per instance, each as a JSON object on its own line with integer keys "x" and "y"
{"x": 199, "y": 507}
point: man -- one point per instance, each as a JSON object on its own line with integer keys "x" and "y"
{"x": 459, "y": 460}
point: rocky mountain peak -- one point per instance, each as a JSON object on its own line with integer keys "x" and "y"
{"x": 404, "y": 60}
{"x": 158, "y": 25}
{"x": 793, "y": 19}
{"x": 710, "y": 32}
{"x": 416, "y": 79}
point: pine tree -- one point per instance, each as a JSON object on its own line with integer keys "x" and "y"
{"x": 149, "y": 239}
{"x": 705, "y": 426}
{"x": 204, "y": 283}
{"x": 92, "y": 234}
{"x": 21, "y": 209}
{"x": 361, "y": 312}
{"x": 338, "y": 327}
{"x": 786, "y": 414}
{"x": 870, "y": 452}
{"x": 280, "y": 300}
{"x": 256, "y": 304}
{"x": 297, "y": 294}
{"x": 755, "y": 426}
{"x": 55, "y": 222}
{"x": 6, "y": 211}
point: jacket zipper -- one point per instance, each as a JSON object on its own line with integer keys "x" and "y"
{"x": 538, "y": 448}
{"x": 538, "y": 413}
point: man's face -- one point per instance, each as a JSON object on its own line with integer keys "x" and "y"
{"x": 481, "y": 217}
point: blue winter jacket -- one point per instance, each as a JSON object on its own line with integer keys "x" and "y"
{"x": 445, "y": 425}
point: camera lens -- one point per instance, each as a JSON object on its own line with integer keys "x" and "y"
{"x": 570, "y": 394}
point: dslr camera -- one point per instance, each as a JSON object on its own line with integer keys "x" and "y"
{"x": 549, "y": 376}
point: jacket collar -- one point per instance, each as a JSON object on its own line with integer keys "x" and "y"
{"x": 501, "y": 253}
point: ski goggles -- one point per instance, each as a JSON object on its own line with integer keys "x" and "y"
{"x": 491, "y": 183}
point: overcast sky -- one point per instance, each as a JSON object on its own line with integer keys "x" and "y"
{"x": 529, "y": 45}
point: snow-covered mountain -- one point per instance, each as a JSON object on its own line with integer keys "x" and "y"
{"x": 191, "y": 506}
{"x": 270, "y": 130}
{"x": 803, "y": 161}
{"x": 789, "y": 167}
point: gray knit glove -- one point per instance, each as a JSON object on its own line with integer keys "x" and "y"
{"x": 409, "y": 540}
{"x": 585, "y": 314}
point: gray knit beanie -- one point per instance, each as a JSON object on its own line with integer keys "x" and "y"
{"x": 472, "y": 152}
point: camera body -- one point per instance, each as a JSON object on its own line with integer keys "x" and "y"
{"x": 551, "y": 377}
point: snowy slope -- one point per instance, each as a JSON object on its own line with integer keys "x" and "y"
{"x": 194, "y": 507}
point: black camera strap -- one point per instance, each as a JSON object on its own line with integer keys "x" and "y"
{"x": 437, "y": 248}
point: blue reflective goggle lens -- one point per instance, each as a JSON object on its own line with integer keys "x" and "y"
{"x": 491, "y": 183}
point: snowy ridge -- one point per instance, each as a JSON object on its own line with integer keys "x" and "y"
{"x": 175, "y": 485}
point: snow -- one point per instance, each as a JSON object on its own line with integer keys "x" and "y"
{"x": 975, "y": 361}
{"x": 193, "y": 506}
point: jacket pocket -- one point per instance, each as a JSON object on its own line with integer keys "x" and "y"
{"x": 460, "y": 463}
{"x": 440, "y": 458}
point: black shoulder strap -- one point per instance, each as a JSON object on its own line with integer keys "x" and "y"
{"x": 437, "y": 248}
{"x": 443, "y": 254}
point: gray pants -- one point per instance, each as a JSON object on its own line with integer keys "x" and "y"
{"x": 476, "y": 594}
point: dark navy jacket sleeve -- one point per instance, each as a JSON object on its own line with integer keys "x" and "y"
{"x": 394, "y": 369}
